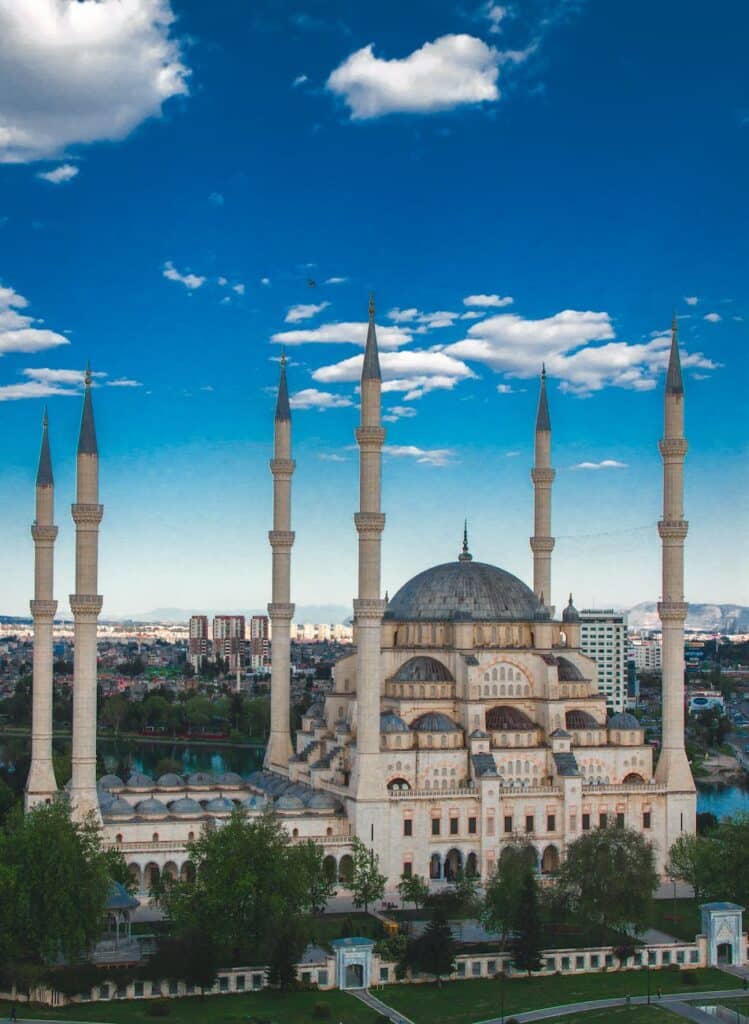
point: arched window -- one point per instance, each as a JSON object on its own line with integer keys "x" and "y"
{"x": 494, "y": 690}
{"x": 443, "y": 741}
{"x": 118, "y": 837}
{"x": 494, "y": 673}
{"x": 503, "y": 673}
{"x": 155, "y": 837}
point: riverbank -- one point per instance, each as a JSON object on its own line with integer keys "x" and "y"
{"x": 19, "y": 732}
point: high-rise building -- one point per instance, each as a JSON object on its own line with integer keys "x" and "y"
{"x": 647, "y": 654}
{"x": 259, "y": 641}
{"x": 228, "y": 639}
{"x": 603, "y": 637}
{"x": 199, "y": 644}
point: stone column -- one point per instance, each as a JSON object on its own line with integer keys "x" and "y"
{"x": 85, "y": 605}
{"x": 673, "y": 766}
{"x": 368, "y": 606}
{"x": 542, "y": 475}
{"x": 41, "y": 785}
{"x": 280, "y": 609}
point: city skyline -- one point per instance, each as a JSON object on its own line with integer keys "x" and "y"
{"x": 355, "y": 174}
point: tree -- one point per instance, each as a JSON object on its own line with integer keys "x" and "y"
{"x": 434, "y": 950}
{"x": 609, "y": 876}
{"x": 368, "y": 884}
{"x": 118, "y": 870}
{"x": 527, "y": 951}
{"x": 730, "y": 856}
{"x": 694, "y": 859}
{"x": 466, "y": 891}
{"x": 190, "y": 957}
{"x": 320, "y": 886}
{"x": 413, "y": 889}
{"x": 502, "y": 906}
{"x": 54, "y": 884}
{"x": 114, "y": 711}
{"x": 285, "y": 954}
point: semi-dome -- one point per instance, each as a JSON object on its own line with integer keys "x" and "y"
{"x": 423, "y": 669}
{"x": 110, "y": 782}
{"x": 623, "y": 720}
{"x": 170, "y": 780}
{"x": 463, "y": 590}
{"x": 434, "y": 721}
{"x": 140, "y": 781}
{"x": 151, "y": 808}
{"x": 579, "y": 719}
{"x": 119, "y": 808}
{"x": 568, "y": 672}
{"x": 508, "y": 719}
{"x": 390, "y": 722}
{"x": 185, "y": 807}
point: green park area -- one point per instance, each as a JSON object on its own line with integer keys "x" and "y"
{"x": 677, "y": 917}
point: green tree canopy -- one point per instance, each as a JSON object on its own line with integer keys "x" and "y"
{"x": 434, "y": 950}
{"x": 413, "y": 890}
{"x": 716, "y": 864}
{"x": 368, "y": 884}
{"x": 502, "y": 906}
{"x": 527, "y": 945}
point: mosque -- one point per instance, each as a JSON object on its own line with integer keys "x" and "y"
{"x": 466, "y": 716}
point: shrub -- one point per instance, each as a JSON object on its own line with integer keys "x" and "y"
{"x": 322, "y": 1011}
{"x": 158, "y": 1008}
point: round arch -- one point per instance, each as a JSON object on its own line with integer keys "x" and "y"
{"x": 151, "y": 875}
{"x": 330, "y": 868}
{"x": 137, "y": 874}
{"x": 550, "y": 860}
{"x": 346, "y": 869}
{"x": 453, "y": 864}
{"x": 187, "y": 872}
{"x": 634, "y": 778}
{"x": 435, "y": 866}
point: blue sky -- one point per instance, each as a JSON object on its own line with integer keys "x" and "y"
{"x": 516, "y": 182}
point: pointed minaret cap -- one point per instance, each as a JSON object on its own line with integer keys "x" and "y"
{"x": 371, "y": 364}
{"x": 465, "y": 555}
{"x": 674, "y": 385}
{"x": 543, "y": 422}
{"x": 44, "y": 476}
{"x": 283, "y": 410}
{"x": 87, "y": 437}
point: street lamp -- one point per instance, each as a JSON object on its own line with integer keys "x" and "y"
{"x": 502, "y": 994}
{"x": 647, "y": 974}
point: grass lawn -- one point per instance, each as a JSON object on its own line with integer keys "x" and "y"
{"x": 463, "y": 1002}
{"x": 742, "y": 1005}
{"x": 622, "y": 1015}
{"x": 280, "y": 1008}
{"x": 677, "y": 917}
{"x": 326, "y": 927}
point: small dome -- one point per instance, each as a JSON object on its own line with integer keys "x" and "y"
{"x": 561, "y": 734}
{"x": 390, "y": 722}
{"x": 623, "y": 720}
{"x": 219, "y": 805}
{"x": 542, "y": 613}
{"x": 255, "y": 803}
{"x": 119, "y": 808}
{"x": 185, "y": 807}
{"x": 230, "y": 779}
{"x": 140, "y": 781}
{"x": 110, "y": 782}
{"x": 506, "y": 719}
{"x": 423, "y": 669}
{"x": 581, "y": 720}
{"x": 199, "y": 779}
{"x": 434, "y": 721}
{"x": 479, "y": 734}
{"x": 151, "y": 808}
{"x": 106, "y": 799}
{"x": 289, "y": 803}
{"x": 170, "y": 781}
{"x": 322, "y": 801}
{"x": 570, "y": 613}
{"x": 568, "y": 672}
{"x": 316, "y": 710}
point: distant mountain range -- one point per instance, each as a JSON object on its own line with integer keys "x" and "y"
{"x": 710, "y": 618}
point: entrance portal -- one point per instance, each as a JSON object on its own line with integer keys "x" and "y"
{"x": 725, "y": 953}
{"x": 354, "y": 976}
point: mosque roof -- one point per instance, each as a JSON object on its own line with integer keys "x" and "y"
{"x": 230, "y": 779}
{"x": 578, "y": 719}
{"x": 566, "y": 763}
{"x": 44, "y": 477}
{"x": 151, "y": 808}
{"x": 109, "y": 782}
{"x": 623, "y": 720}
{"x": 185, "y": 807}
{"x": 219, "y": 805}
{"x": 463, "y": 590}
{"x": 567, "y": 671}
{"x": 323, "y": 801}
{"x": 506, "y": 719}
{"x": 140, "y": 781}
{"x": 434, "y": 721}
{"x": 119, "y": 808}
{"x": 87, "y": 437}
{"x": 484, "y": 764}
{"x": 570, "y": 613}
{"x": 422, "y": 668}
{"x": 170, "y": 780}
{"x": 289, "y": 802}
{"x": 200, "y": 779}
{"x": 390, "y": 722}
{"x": 118, "y": 898}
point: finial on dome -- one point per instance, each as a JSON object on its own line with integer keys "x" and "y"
{"x": 465, "y": 555}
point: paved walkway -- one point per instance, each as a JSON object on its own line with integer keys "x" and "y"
{"x": 366, "y": 997}
{"x": 671, "y": 1002}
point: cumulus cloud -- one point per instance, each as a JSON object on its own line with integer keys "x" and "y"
{"x": 46, "y": 382}
{"x": 82, "y": 72}
{"x": 123, "y": 382}
{"x": 517, "y": 347}
{"x": 487, "y": 301}
{"x": 508, "y": 389}
{"x": 238, "y": 288}
{"x": 451, "y": 71}
{"x": 58, "y": 176}
{"x": 190, "y": 281}
{"x": 311, "y": 398}
{"x": 495, "y": 15}
{"x": 713, "y": 318}
{"x": 604, "y": 464}
{"x": 426, "y": 456}
{"x": 424, "y": 321}
{"x": 399, "y": 412}
{"x": 411, "y": 371}
{"x": 331, "y": 457}
{"x": 343, "y": 334}
{"x": 17, "y": 330}
{"x": 304, "y": 311}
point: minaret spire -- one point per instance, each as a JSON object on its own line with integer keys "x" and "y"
{"x": 280, "y": 609}
{"x": 369, "y": 607}
{"x": 673, "y": 767}
{"x": 41, "y": 785}
{"x": 542, "y": 475}
{"x": 85, "y": 604}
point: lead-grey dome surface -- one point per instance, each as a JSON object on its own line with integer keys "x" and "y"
{"x": 391, "y": 722}
{"x": 623, "y": 720}
{"x": 464, "y": 591}
{"x": 423, "y": 669}
{"x": 434, "y": 721}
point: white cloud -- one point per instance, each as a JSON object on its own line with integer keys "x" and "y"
{"x": 343, "y": 333}
{"x": 238, "y": 288}
{"x": 331, "y": 457}
{"x": 124, "y": 382}
{"x": 299, "y": 80}
{"x": 45, "y": 382}
{"x": 414, "y": 372}
{"x": 82, "y": 72}
{"x": 451, "y": 71}
{"x": 508, "y": 389}
{"x": 426, "y": 456}
{"x": 265, "y": 281}
{"x": 336, "y": 280}
{"x": 399, "y": 412}
{"x": 472, "y": 314}
{"x": 47, "y": 375}
{"x": 17, "y": 330}
{"x": 487, "y": 301}
{"x": 61, "y": 174}
{"x": 216, "y": 198}
{"x": 304, "y": 311}
{"x": 495, "y": 15}
{"x": 691, "y": 300}
{"x": 222, "y": 281}
{"x": 190, "y": 281}
{"x": 427, "y": 321}
{"x": 31, "y": 389}
{"x": 311, "y": 398}
{"x": 604, "y": 464}
{"x": 739, "y": 319}
{"x": 713, "y": 318}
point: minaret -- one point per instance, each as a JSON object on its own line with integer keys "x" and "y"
{"x": 85, "y": 605}
{"x": 542, "y": 475}
{"x": 40, "y": 784}
{"x": 673, "y": 766}
{"x": 369, "y": 606}
{"x": 280, "y": 609}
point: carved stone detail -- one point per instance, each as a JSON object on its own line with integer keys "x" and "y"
{"x": 542, "y": 475}
{"x": 673, "y": 447}
{"x": 370, "y": 522}
{"x": 43, "y": 609}
{"x": 542, "y": 545}
{"x": 673, "y": 529}
{"x": 281, "y": 538}
{"x": 276, "y": 610}
{"x": 672, "y": 611}
{"x": 86, "y": 604}
{"x": 282, "y": 467}
{"x": 369, "y": 608}
{"x": 44, "y": 534}
{"x": 87, "y": 515}
{"x": 370, "y": 438}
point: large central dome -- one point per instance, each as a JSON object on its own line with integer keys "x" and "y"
{"x": 464, "y": 590}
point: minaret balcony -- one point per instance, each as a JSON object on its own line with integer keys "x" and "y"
{"x": 673, "y": 447}
{"x": 369, "y": 522}
{"x": 282, "y": 468}
{"x": 673, "y": 529}
{"x": 284, "y": 612}
{"x": 43, "y": 609}
{"x": 87, "y": 514}
{"x": 370, "y": 438}
{"x": 86, "y": 604}
{"x": 44, "y": 534}
{"x": 672, "y": 611}
{"x": 542, "y": 545}
{"x": 281, "y": 539}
